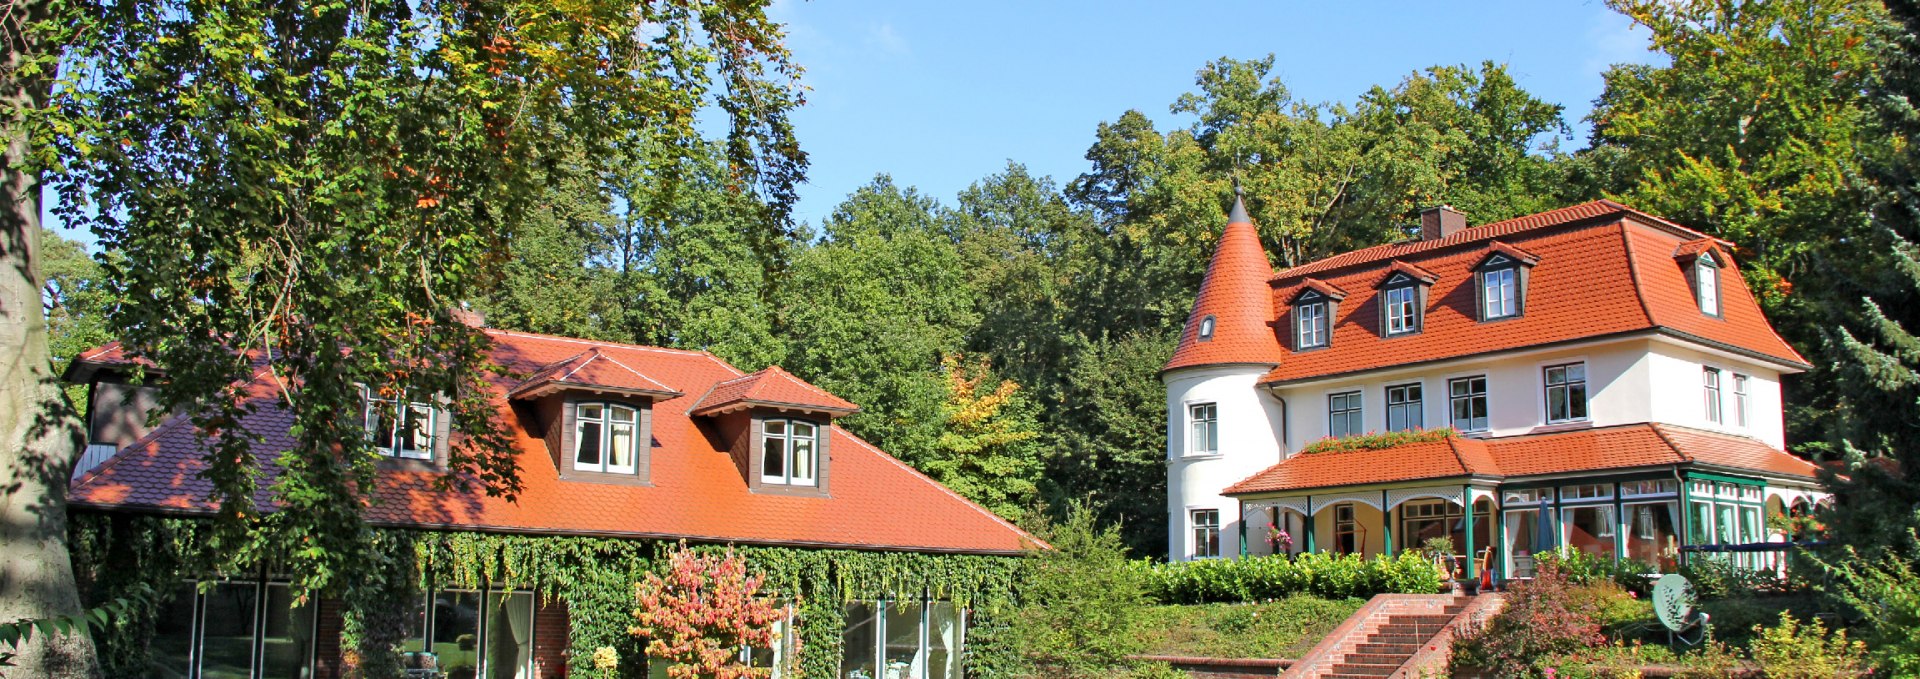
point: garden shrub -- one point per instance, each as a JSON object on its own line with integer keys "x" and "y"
{"x": 1378, "y": 440}
{"x": 1079, "y": 608}
{"x": 1791, "y": 650}
{"x": 1545, "y": 619}
{"x": 1714, "y": 577}
{"x": 1887, "y": 592}
{"x": 1274, "y": 577}
{"x": 1582, "y": 568}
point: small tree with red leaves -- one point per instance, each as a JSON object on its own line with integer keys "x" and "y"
{"x": 700, "y": 614}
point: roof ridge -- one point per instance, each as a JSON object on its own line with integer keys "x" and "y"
{"x": 1457, "y": 457}
{"x": 1677, "y": 452}
{"x": 597, "y": 343}
{"x": 1548, "y": 219}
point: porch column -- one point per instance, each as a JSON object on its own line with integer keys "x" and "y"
{"x": 1386, "y": 525}
{"x": 1466, "y": 493}
{"x": 1620, "y": 525}
{"x": 1243, "y": 531}
{"x": 1686, "y": 523}
{"x": 1310, "y": 531}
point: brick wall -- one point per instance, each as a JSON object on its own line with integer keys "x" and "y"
{"x": 327, "y": 641}
{"x": 551, "y": 631}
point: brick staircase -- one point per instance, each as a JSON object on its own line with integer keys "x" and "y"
{"x": 1393, "y": 640}
{"x": 1393, "y": 635}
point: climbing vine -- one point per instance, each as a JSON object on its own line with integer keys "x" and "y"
{"x": 593, "y": 576}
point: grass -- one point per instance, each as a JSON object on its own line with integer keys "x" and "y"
{"x": 1285, "y": 628}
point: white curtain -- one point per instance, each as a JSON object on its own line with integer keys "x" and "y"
{"x": 510, "y": 641}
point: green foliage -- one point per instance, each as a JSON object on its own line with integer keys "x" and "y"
{"x": 1632, "y": 575}
{"x": 1378, "y": 440}
{"x": 1079, "y": 608}
{"x": 1886, "y": 592}
{"x": 1544, "y": 619}
{"x": 1108, "y": 424}
{"x": 305, "y": 194}
{"x": 1282, "y": 628}
{"x": 101, "y": 617}
{"x": 1791, "y": 650}
{"x": 990, "y": 450}
{"x": 1328, "y": 576}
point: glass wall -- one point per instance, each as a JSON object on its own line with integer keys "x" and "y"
{"x": 1652, "y": 534}
{"x": 233, "y": 630}
{"x": 1590, "y": 529}
{"x": 286, "y": 636}
{"x": 922, "y": 640}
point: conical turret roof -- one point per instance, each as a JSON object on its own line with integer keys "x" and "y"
{"x": 1229, "y": 323}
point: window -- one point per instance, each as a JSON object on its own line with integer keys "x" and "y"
{"x": 605, "y": 437}
{"x": 1206, "y": 328}
{"x": 904, "y": 639}
{"x": 1206, "y": 428}
{"x": 234, "y": 629}
{"x": 1310, "y": 322}
{"x": 1740, "y": 404}
{"x": 400, "y": 428}
{"x": 1403, "y": 408}
{"x": 1526, "y": 496}
{"x": 787, "y": 453}
{"x": 1648, "y": 487}
{"x": 1468, "y": 396}
{"x": 472, "y": 634}
{"x": 1710, "y": 377}
{"x": 1206, "y": 533}
{"x": 1591, "y": 491}
{"x": 1706, "y": 284}
{"x": 1402, "y": 310}
{"x": 1590, "y": 529}
{"x": 1343, "y": 414}
{"x": 1566, "y": 392}
{"x": 1345, "y": 530}
{"x": 775, "y": 658}
{"x": 1424, "y": 520}
{"x": 1500, "y": 293}
{"x": 1651, "y": 535}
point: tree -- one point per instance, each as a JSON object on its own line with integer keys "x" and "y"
{"x": 1081, "y": 602}
{"x": 301, "y": 197}
{"x": 1109, "y": 434}
{"x": 989, "y": 451}
{"x": 699, "y": 615}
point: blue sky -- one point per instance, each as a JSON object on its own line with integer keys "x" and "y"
{"x": 942, "y": 94}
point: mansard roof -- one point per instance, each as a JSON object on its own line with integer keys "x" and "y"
{"x": 1235, "y": 295}
{"x": 1601, "y": 269}
{"x": 696, "y": 492}
{"x": 1587, "y": 450}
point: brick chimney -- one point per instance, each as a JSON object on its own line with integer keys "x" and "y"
{"x": 1441, "y": 221}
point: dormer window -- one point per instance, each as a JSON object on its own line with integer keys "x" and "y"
{"x": 1401, "y": 310}
{"x": 1310, "y": 324}
{"x": 1503, "y": 282}
{"x": 1706, "y": 284}
{"x": 1205, "y": 331}
{"x": 788, "y": 450}
{"x": 401, "y": 428}
{"x": 605, "y": 438}
{"x": 1403, "y": 299}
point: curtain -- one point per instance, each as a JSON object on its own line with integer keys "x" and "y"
{"x": 510, "y": 640}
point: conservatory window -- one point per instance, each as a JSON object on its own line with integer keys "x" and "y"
{"x": 605, "y": 437}
{"x": 903, "y": 639}
{"x": 1589, "y": 529}
{"x": 233, "y": 629}
{"x": 789, "y": 452}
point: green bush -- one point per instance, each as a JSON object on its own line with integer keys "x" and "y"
{"x": 1582, "y": 568}
{"x": 1275, "y": 577}
{"x": 1792, "y": 651}
{"x": 1078, "y": 608}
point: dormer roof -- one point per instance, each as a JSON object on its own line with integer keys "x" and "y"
{"x": 1307, "y": 285}
{"x": 1497, "y": 249}
{"x": 1235, "y": 294}
{"x": 772, "y": 387}
{"x": 1400, "y": 271}
{"x": 591, "y": 371}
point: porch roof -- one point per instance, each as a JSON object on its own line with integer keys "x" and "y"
{"x": 1597, "y": 449}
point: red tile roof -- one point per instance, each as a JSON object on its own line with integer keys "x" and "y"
{"x": 1602, "y": 269}
{"x": 591, "y": 370}
{"x": 1236, "y": 295}
{"x": 696, "y": 491}
{"x": 1585, "y": 450}
{"x": 772, "y": 387}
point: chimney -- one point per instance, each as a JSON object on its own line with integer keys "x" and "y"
{"x": 1441, "y": 221}
{"x": 466, "y": 315}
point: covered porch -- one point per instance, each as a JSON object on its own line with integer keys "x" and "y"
{"x": 1375, "y": 521}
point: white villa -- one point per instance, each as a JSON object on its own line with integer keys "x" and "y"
{"x": 1591, "y": 378}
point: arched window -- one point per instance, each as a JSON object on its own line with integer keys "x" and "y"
{"x": 605, "y": 437}
{"x": 789, "y": 452}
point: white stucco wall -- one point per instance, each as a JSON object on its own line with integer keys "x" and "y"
{"x": 1249, "y": 443}
{"x": 1679, "y": 392}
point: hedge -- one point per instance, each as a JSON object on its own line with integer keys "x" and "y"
{"x": 1273, "y": 577}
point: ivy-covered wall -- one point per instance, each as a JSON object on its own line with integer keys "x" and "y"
{"x": 594, "y": 577}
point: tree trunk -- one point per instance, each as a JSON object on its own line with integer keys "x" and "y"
{"x": 42, "y": 435}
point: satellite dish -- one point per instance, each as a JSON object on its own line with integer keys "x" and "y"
{"x": 1673, "y": 601}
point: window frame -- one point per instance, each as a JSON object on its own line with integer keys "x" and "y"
{"x": 1413, "y": 409}
{"x": 1405, "y": 313}
{"x": 1513, "y": 302}
{"x": 1316, "y": 322}
{"x": 878, "y": 610}
{"x": 1347, "y": 527}
{"x": 1454, "y": 401}
{"x": 1548, "y": 386}
{"x": 1358, "y": 411}
{"x": 1203, "y": 331}
{"x": 1710, "y": 378}
{"x": 1706, "y": 285}
{"x": 1195, "y": 420}
{"x": 789, "y": 454}
{"x": 1204, "y": 538}
{"x": 402, "y": 411}
{"x": 196, "y": 603}
{"x": 1742, "y": 407}
{"x": 606, "y": 423}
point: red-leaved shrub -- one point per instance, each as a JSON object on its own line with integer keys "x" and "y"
{"x": 1544, "y": 618}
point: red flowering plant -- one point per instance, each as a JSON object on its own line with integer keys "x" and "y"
{"x": 702, "y": 612}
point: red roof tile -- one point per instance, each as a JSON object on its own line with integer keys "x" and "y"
{"x": 697, "y": 492}
{"x": 772, "y": 387}
{"x": 592, "y": 370}
{"x": 1236, "y": 295}
{"x": 1602, "y": 269}
{"x": 1620, "y": 447}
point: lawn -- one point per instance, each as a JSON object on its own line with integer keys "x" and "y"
{"x": 1284, "y": 628}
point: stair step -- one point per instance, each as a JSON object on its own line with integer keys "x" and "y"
{"x": 1365, "y": 670}
{"x": 1348, "y": 676}
{"x": 1358, "y": 658}
{"x": 1408, "y": 639}
{"x": 1402, "y": 650}
{"x": 1422, "y": 631}
{"x": 1419, "y": 619}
